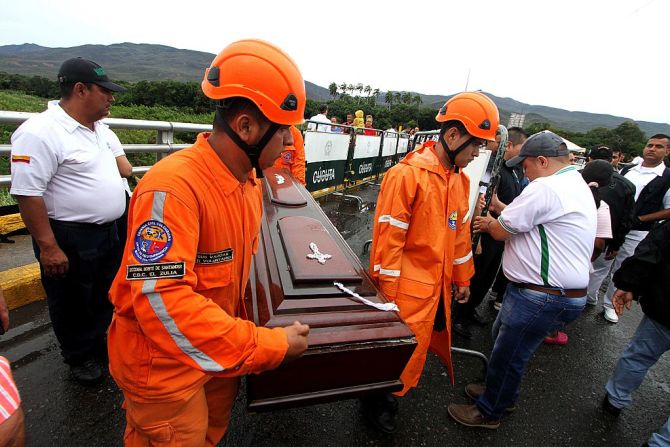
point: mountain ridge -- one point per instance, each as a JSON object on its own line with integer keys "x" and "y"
{"x": 137, "y": 61}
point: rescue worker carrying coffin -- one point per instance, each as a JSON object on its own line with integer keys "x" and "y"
{"x": 179, "y": 341}
{"x": 421, "y": 244}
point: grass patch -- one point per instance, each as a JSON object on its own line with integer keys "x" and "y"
{"x": 6, "y": 198}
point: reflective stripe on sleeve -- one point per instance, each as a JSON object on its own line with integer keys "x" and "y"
{"x": 158, "y": 306}
{"x": 467, "y": 216}
{"x": 378, "y": 268}
{"x": 465, "y": 258}
{"x": 393, "y": 221}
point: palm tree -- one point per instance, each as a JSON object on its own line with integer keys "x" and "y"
{"x": 368, "y": 90}
{"x": 359, "y": 87}
{"x": 417, "y": 100}
{"x": 388, "y": 98}
{"x": 375, "y": 93}
{"x": 397, "y": 97}
{"x": 332, "y": 88}
{"x": 343, "y": 89}
{"x": 351, "y": 89}
{"x": 407, "y": 98}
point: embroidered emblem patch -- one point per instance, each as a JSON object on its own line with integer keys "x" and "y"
{"x": 152, "y": 241}
{"x": 453, "y": 218}
{"x": 287, "y": 156}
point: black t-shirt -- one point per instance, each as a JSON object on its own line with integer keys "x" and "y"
{"x": 509, "y": 186}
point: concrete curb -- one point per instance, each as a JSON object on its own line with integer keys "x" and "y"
{"x": 11, "y": 223}
{"x": 22, "y": 285}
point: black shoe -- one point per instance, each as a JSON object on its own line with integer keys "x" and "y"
{"x": 462, "y": 329}
{"x": 87, "y": 373}
{"x": 479, "y": 319}
{"x": 609, "y": 408}
{"x": 380, "y": 412}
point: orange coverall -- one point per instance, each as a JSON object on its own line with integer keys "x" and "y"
{"x": 293, "y": 157}
{"x": 421, "y": 246}
{"x": 177, "y": 344}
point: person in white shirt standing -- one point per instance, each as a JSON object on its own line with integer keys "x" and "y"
{"x": 549, "y": 232}
{"x": 322, "y": 117}
{"x": 67, "y": 183}
{"x": 652, "y": 204}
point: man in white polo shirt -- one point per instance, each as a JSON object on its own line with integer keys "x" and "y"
{"x": 549, "y": 231}
{"x": 66, "y": 181}
{"x": 652, "y": 204}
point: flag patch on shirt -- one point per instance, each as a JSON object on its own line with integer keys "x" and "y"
{"x": 453, "y": 218}
{"x": 21, "y": 159}
{"x": 153, "y": 239}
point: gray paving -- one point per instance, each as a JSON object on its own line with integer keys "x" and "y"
{"x": 559, "y": 403}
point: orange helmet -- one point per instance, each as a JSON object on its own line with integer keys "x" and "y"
{"x": 261, "y": 72}
{"x": 475, "y": 110}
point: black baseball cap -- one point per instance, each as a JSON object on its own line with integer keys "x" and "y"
{"x": 601, "y": 153}
{"x": 545, "y": 143}
{"x": 78, "y": 69}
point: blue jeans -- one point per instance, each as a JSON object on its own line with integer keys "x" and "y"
{"x": 526, "y": 317}
{"x": 650, "y": 341}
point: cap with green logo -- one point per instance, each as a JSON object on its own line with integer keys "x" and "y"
{"x": 81, "y": 70}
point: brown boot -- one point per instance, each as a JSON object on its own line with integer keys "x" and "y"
{"x": 474, "y": 390}
{"x": 470, "y": 416}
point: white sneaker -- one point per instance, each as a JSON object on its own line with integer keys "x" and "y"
{"x": 591, "y": 301}
{"x": 610, "y": 315}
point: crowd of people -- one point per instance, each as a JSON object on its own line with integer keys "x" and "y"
{"x": 354, "y": 122}
{"x": 162, "y": 310}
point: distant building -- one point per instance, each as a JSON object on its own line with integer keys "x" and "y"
{"x": 516, "y": 120}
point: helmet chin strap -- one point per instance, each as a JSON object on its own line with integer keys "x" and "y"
{"x": 453, "y": 154}
{"x": 254, "y": 151}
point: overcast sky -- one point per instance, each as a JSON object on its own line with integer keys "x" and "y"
{"x": 601, "y": 56}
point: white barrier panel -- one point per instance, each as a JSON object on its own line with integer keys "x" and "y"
{"x": 366, "y": 146}
{"x": 321, "y": 146}
{"x": 403, "y": 145}
{"x": 390, "y": 143}
{"x": 475, "y": 171}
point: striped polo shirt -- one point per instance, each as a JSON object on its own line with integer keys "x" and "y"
{"x": 553, "y": 227}
{"x": 9, "y": 395}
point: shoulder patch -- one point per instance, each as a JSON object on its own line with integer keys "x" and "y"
{"x": 153, "y": 239}
{"x": 287, "y": 156}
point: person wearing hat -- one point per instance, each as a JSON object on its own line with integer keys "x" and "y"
{"x": 421, "y": 245}
{"x": 67, "y": 183}
{"x": 179, "y": 340}
{"x": 549, "y": 232}
{"x": 619, "y": 194}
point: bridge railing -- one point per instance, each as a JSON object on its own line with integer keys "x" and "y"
{"x": 164, "y": 137}
{"x": 335, "y": 158}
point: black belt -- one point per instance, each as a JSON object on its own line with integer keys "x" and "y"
{"x": 568, "y": 293}
{"x": 81, "y": 225}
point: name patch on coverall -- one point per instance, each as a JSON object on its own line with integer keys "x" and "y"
{"x": 155, "y": 271}
{"x": 216, "y": 257}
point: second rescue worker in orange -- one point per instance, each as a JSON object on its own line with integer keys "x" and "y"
{"x": 421, "y": 244}
{"x": 293, "y": 156}
{"x": 179, "y": 342}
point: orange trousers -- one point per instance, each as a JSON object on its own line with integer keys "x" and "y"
{"x": 201, "y": 420}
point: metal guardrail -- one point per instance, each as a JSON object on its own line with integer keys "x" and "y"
{"x": 164, "y": 136}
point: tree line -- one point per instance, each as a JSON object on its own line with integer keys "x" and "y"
{"x": 392, "y": 109}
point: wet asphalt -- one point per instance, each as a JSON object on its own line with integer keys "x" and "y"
{"x": 559, "y": 404}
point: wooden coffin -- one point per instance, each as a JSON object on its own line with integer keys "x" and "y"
{"x": 354, "y": 349}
